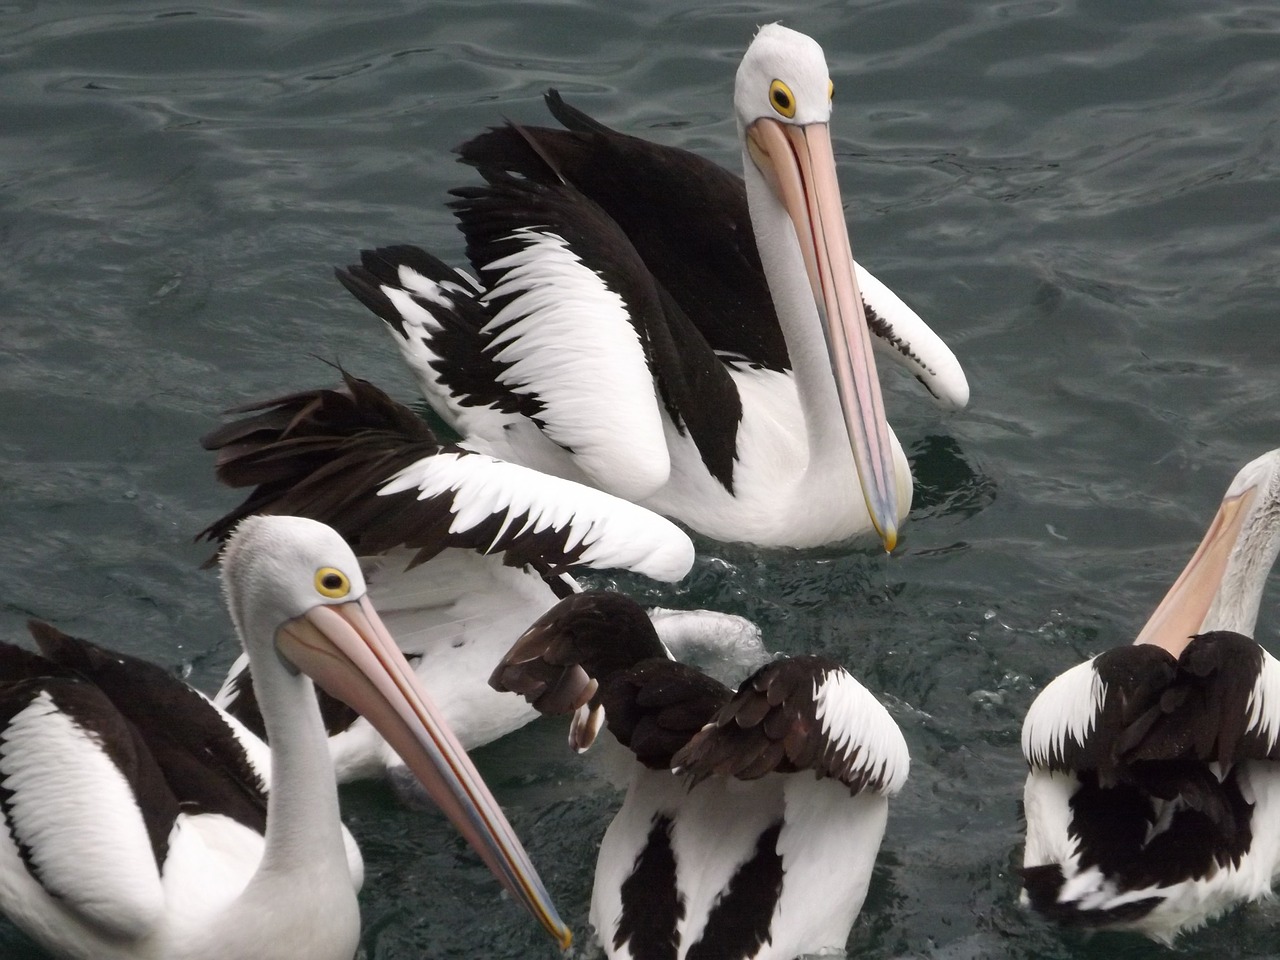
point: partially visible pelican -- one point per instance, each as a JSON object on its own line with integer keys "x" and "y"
{"x": 137, "y": 823}
{"x": 1153, "y": 801}
{"x": 461, "y": 552}
{"x": 752, "y": 819}
{"x": 647, "y": 323}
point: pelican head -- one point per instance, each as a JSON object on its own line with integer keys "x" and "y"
{"x": 783, "y": 74}
{"x": 782, "y": 98}
{"x": 298, "y": 599}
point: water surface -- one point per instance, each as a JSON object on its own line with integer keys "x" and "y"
{"x": 1081, "y": 197}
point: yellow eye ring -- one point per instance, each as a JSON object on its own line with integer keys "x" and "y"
{"x": 332, "y": 583}
{"x": 782, "y": 99}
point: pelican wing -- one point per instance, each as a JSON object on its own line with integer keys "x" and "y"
{"x": 656, "y": 706}
{"x": 205, "y": 765}
{"x": 355, "y": 459}
{"x": 1222, "y": 706}
{"x": 82, "y": 798}
{"x": 898, "y": 333}
{"x": 580, "y": 321}
{"x": 437, "y": 319}
{"x": 322, "y": 454}
{"x": 685, "y": 216}
{"x": 1218, "y": 702}
{"x": 1074, "y": 721}
{"x": 558, "y": 663}
{"x": 802, "y": 713}
{"x": 597, "y": 653}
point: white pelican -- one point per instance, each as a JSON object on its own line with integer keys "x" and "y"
{"x": 1153, "y": 801}
{"x": 461, "y": 552}
{"x": 752, "y": 819}
{"x": 136, "y": 822}
{"x": 648, "y": 324}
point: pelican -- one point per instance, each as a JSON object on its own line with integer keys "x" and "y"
{"x": 461, "y": 552}
{"x": 751, "y": 820}
{"x": 136, "y": 823}
{"x": 649, "y": 324}
{"x": 1153, "y": 800}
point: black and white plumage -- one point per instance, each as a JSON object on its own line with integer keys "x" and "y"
{"x": 648, "y": 323}
{"x": 461, "y": 552}
{"x": 1153, "y": 801}
{"x": 138, "y": 819}
{"x": 751, "y": 820}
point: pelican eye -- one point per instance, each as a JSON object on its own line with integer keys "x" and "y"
{"x": 332, "y": 583}
{"x": 782, "y": 99}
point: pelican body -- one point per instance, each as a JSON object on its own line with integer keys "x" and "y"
{"x": 649, "y": 324}
{"x": 1153, "y": 800}
{"x": 751, "y": 820}
{"x": 141, "y": 823}
{"x": 460, "y": 552}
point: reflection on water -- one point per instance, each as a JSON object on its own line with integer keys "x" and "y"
{"x": 946, "y": 484}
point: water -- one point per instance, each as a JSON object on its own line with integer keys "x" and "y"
{"x": 1082, "y": 198}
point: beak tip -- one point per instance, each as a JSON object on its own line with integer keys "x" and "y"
{"x": 885, "y": 525}
{"x": 563, "y": 937}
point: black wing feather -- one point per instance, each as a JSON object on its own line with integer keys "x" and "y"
{"x": 696, "y": 388}
{"x": 655, "y": 708}
{"x": 467, "y": 371}
{"x": 203, "y": 763}
{"x": 325, "y": 454}
{"x": 656, "y": 194}
{"x": 558, "y": 663}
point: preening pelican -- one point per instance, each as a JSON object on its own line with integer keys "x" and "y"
{"x": 647, "y": 323}
{"x": 1153, "y": 801}
{"x": 137, "y": 825}
{"x": 461, "y": 552}
{"x": 752, "y": 819}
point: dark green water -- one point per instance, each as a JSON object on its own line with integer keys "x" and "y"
{"x": 1081, "y": 197}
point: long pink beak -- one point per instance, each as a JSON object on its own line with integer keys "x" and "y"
{"x": 1182, "y": 612}
{"x": 799, "y": 163}
{"x": 346, "y": 649}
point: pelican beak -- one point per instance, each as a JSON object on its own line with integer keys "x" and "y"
{"x": 1184, "y": 608}
{"x": 346, "y": 649}
{"x": 799, "y": 164}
